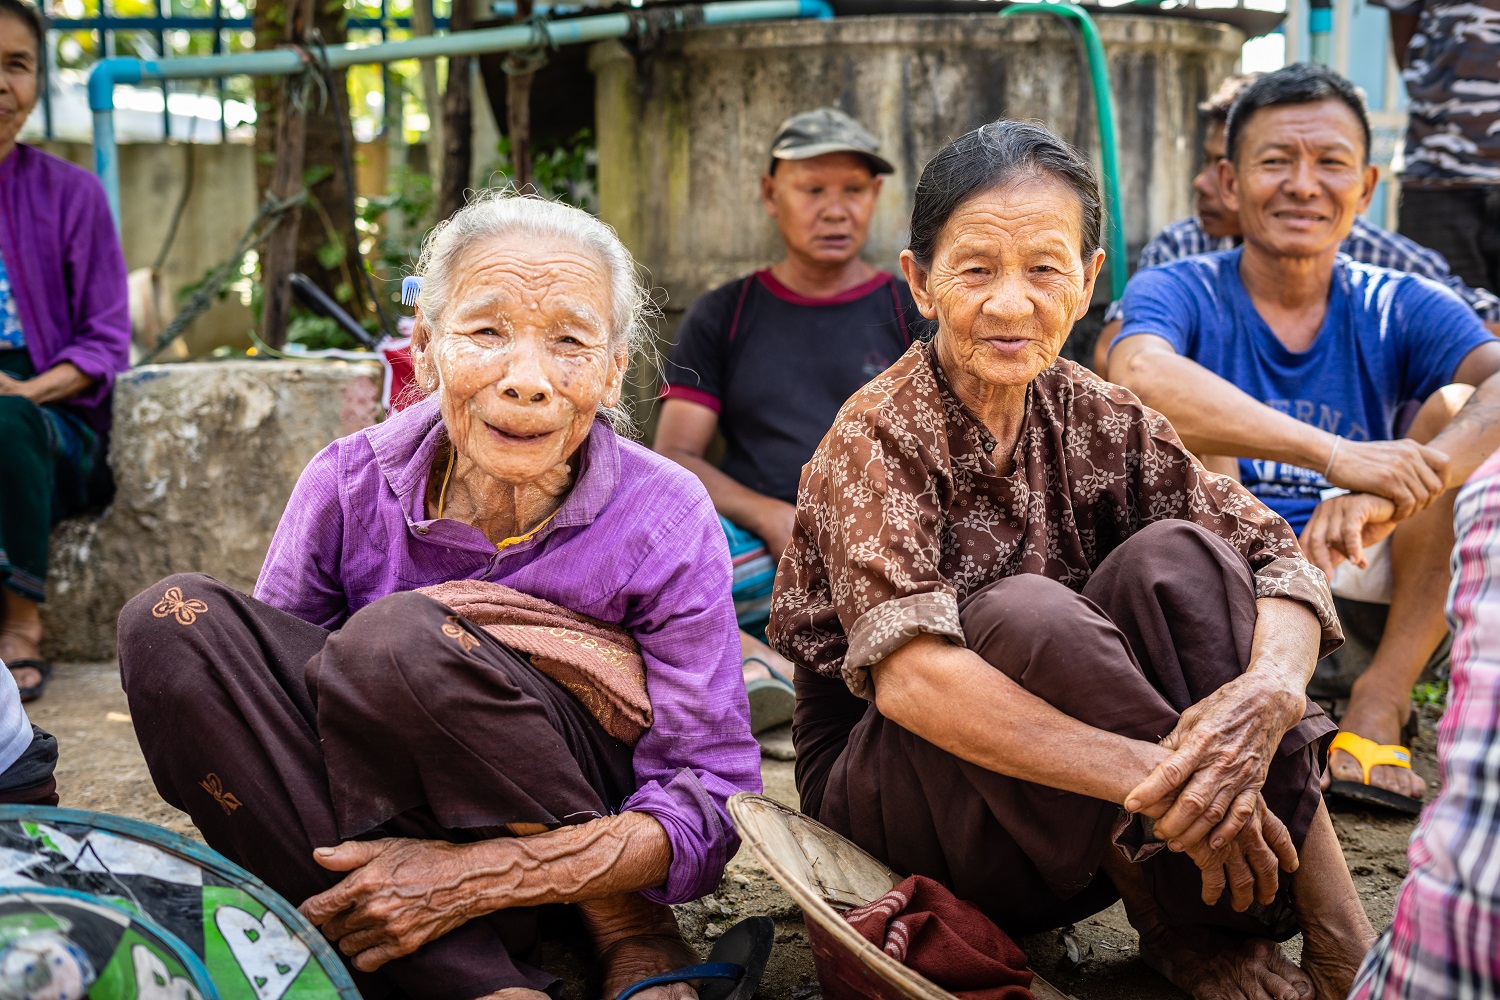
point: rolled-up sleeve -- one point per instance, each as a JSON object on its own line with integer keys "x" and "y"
{"x": 1170, "y": 484}
{"x": 862, "y": 575}
{"x": 698, "y": 751}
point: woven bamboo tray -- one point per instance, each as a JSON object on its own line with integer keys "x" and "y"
{"x": 826, "y": 874}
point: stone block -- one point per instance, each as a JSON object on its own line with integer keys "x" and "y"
{"x": 205, "y": 456}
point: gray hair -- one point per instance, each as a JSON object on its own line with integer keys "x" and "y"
{"x": 495, "y": 214}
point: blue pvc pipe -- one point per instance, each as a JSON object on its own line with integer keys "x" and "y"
{"x": 115, "y": 70}
{"x": 194, "y": 22}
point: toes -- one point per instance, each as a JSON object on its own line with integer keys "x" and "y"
{"x": 1283, "y": 980}
{"x": 1343, "y": 767}
{"x": 1400, "y": 780}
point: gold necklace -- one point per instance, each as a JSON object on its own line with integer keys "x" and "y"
{"x": 443, "y": 491}
{"x": 443, "y": 496}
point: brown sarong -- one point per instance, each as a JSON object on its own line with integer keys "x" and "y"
{"x": 1166, "y": 619}
{"x": 278, "y": 737}
{"x": 599, "y": 663}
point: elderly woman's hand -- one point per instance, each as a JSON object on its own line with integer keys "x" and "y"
{"x": 399, "y": 895}
{"x": 1222, "y": 746}
{"x": 1205, "y": 792}
{"x": 1250, "y": 863}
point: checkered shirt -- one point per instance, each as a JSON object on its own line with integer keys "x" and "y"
{"x": 1444, "y": 942}
{"x": 1367, "y": 243}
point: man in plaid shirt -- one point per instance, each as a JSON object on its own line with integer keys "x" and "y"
{"x": 1216, "y": 228}
{"x": 1444, "y": 941}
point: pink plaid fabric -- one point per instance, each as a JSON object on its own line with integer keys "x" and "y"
{"x": 1444, "y": 942}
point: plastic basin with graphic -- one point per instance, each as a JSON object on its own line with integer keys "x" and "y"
{"x": 146, "y": 914}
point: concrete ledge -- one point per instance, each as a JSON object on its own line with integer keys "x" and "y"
{"x": 204, "y": 456}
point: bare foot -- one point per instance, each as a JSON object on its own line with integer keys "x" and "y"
{"x": 1254, "y": 970}
{"x": 1336, "y": 934}
{"x": 1380, "y": 719}
{"x": 1330, "y": 962}
{"x": 634, "y": 939}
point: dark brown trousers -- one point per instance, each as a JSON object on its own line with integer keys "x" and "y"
{"x": 1166, "y": 619}
{"x": 278, "y": 737}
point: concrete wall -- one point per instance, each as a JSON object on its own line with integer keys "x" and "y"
{"x": 684, "y": 135}
{"x": 205, "y": 456}
{"x": 222, "y": 204}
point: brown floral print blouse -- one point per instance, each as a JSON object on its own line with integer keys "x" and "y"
{"x": 902, "y": 512}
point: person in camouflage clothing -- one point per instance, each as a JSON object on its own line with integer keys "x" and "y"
{"x": 1449, "y": 51}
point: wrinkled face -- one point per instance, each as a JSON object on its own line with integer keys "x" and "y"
{"x": 822, "y": 205}
{"x": 1208, "y": 200}
{"x": 524, "y": 357}
{"x": 1299, "y": 177}
{"x": 18, "y": 78}
{"x": 1007, "y": 281}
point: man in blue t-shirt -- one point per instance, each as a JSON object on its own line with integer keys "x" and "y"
{"x": 1291, "y": 357}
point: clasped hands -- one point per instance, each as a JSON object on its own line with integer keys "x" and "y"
{"x": 1389, "y": 481}
{"x": 1204, "y": 797}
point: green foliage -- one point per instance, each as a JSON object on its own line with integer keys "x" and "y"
{"x": 1431, "y": 693}
{"x": 332, "y": 254}
{"x": 411, "y": 202}
{"x": 566, "y": 172}
{"x": 318, "y": 333}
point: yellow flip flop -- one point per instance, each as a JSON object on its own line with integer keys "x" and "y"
{"x": 1370, "y": 754}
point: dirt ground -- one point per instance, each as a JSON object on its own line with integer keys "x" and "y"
{"x": 101, "y": 769}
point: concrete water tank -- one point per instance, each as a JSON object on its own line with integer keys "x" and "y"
{"x": 684, "y": 128}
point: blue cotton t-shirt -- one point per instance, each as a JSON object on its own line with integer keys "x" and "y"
{"x": 1388, "y": 337}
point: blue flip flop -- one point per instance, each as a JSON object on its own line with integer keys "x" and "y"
{"x": 734, "y": 966}
{"x": 772, "y": 699}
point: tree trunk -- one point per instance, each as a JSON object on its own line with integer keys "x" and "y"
{"x": 458, "y": 119}
{"x": 518, "y": 115}
{"x": 326, "y": 229}
{"x": 422, "y": 23}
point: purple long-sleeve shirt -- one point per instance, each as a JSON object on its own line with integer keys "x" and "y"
{"x": 66, "y": 272}
{"x": 636, "y": 542}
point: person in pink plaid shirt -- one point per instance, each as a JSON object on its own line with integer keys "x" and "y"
{"x": 1444, "y": 941}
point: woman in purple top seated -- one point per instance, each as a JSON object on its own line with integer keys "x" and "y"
{"x": 417, "y": 785}
{"x": 64, "y": 334}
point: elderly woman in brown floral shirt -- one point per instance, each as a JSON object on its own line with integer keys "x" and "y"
{"x": 1044, "y": 656}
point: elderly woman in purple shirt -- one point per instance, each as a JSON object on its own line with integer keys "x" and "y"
{"x": 419, "y": 784}
{"x": 64, "y": 334}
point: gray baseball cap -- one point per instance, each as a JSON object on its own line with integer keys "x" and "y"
{"x": 827, "y": 130}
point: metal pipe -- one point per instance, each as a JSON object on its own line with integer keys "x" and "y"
{"x": 1109, "y": 146}
{"x": 1319, "y": 30}
{"x": 111, "y": 71}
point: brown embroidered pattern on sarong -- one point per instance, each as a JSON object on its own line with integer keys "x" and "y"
{"x": 905, "y": 510}
{"x": 174, "y": 605}
{"x": 215, "y": 787}
{"x": 455, "y": 631}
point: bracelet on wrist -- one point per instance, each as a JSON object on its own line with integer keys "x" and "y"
{"x": 1337, "y": 440}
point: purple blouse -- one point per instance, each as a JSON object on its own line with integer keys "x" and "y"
{"x": 636, "y": 542}
{"x": 66, "y": 272}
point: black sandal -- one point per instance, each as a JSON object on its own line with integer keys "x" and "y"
{"x": 734, "y": 966}
{"x": 40, "y": 666}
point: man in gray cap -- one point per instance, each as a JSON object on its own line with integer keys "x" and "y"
{"x": 769, "y": 358}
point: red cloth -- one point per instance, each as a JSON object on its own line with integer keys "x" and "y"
{"x": 932, "y": 932}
